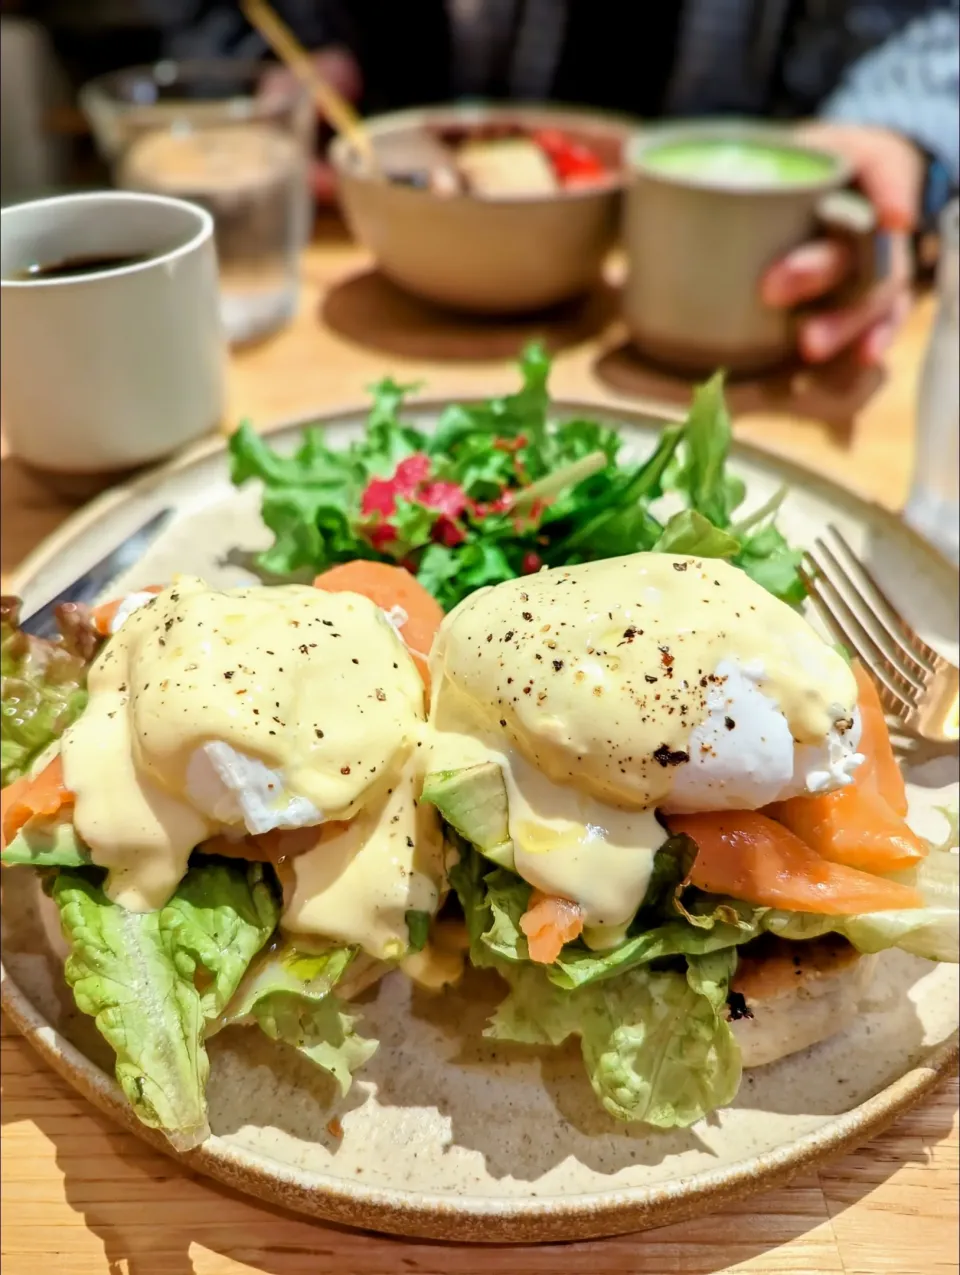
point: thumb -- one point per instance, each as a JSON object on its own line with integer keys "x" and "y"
{"x": 890, "y": 173}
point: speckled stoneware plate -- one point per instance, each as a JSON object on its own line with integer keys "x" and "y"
{"x": 445, "y": 1134}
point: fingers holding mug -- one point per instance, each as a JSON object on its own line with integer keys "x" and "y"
{"x": 868, "y": 320}
{"x": 807, "y": 273}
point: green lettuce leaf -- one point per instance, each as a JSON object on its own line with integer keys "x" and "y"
{"x": 523, "y": 413}
{"x": 466, "y": 877}
{"x": 608, "y": 515}
{"x": 312, "y": 465}
{"x": 688, "y": 532}
{"x": 153, "y": 980}
{"x": 42, "y": 844}
{"x": 656, "y": 1045}
{"x": 577, "y": 966}
{"x": 508, "y": 897}
{"x": 671, "y": 868}
{"x": 122, "y": 974}
{"x": 220, "y": 917}
{"x": 388, "y": 439}
{"x": 308, "y": 530}
{"x": 437, "y": 570}
{"x": 42, "y": 690}
{"x": 707, "y": 435}
{"x": 414, "y": 525}
{"x": 450, "y": 574}
{"x": 310, "y": 499}
{"x": 769, "y": 560}
{"x": 289, "y": 995}
{"x": 494, "y": 901}
{"x": 418, "y": 928}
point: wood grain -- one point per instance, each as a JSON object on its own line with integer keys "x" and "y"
{"x": 80, "y": 1197}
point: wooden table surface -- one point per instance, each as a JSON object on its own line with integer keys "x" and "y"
{"x": 80, "y": 1197}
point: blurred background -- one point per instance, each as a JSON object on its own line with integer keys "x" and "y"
{"x": 722, "y": 255}
{"x": 887, "y": 63}
{"x": 147, "y": 95}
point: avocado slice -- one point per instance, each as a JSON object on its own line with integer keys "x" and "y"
{"x": 473, "y": 801}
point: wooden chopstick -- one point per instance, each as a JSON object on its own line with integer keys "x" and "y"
{"x": 333, "y": 105}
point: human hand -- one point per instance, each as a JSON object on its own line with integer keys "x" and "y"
{"x": 338, "y": 67}
{"x": 889, "y": 170}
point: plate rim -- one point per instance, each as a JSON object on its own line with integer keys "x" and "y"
{"x": 488, "y": 1218}
{"x": 480, "y": 1218}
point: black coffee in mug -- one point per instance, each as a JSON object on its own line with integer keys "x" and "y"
{"x": 77, "y": 267}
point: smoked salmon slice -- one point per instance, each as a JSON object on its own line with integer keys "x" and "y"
{"x": 392, "y": 587}
{"x": 271, "y": 847}
{"x": 863, "y": 824}
{"x": 880, "y": 768}
{"x": 852, "y": 826}
{"x": 104, "y": 614}
{"x": 548, "y": 923}
{"x": 749, "y": 856}
{"x": 44, "y": 794}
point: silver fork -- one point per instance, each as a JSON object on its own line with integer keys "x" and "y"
{"x": 918, "y": 688}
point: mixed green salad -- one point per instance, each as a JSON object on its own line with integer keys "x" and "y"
{"x": 500, "y": 489}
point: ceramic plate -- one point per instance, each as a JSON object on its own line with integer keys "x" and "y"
{"x": 445, "y": 1134}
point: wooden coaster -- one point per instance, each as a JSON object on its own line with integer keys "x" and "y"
{"x": 369, "y": 310}
{"x": 834, "y": 393}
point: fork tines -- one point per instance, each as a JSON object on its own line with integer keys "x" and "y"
{"x": 861, "y": 616}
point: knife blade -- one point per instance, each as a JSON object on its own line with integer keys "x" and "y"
{"x": 42, "y": 622}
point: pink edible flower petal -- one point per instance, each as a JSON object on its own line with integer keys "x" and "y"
{"x": 380, "y": 494}
{"x": 379, "y": 497}
{"x": 448, "y": 498}
{"x": 410, "y": 473}
{"x": 381, "y": 535}
{"x": 447, "y": 532}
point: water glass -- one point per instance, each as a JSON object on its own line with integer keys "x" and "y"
{"x": 209, "y": 133}
{"x": 933, "y": 507}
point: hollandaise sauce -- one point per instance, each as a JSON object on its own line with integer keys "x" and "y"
{"x": 317, "y": 707}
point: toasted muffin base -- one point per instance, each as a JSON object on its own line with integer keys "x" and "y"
{"x": 788, "y": 996}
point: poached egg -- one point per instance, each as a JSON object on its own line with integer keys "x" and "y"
{"x": 609, "y": 690}
{"x": 240, "y": 711}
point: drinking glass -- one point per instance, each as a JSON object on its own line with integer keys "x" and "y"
{"x": 208, "y": 133}
{"x": 933, "y": 507}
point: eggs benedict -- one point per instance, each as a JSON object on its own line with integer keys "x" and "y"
{"x": 622, "y": 749}
{"x": 251, "y": 755}
{"x": 607, "y": 692}
{"x": 247, "y": 711}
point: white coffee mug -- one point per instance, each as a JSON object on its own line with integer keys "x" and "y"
{"x": 111, "y": 369}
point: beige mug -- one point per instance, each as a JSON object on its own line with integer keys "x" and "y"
{"x": 105, "y": 369}
{"x": 699, "y": 235}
